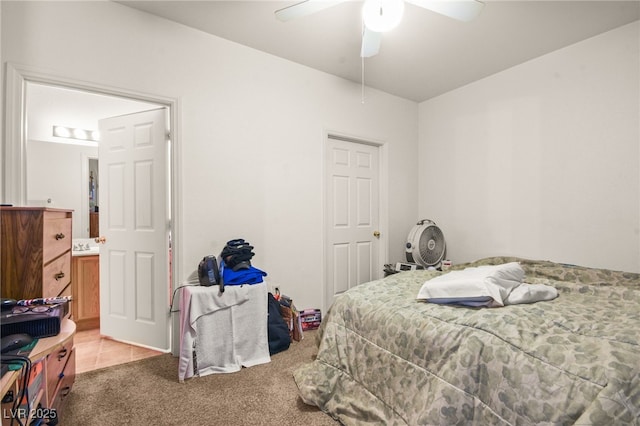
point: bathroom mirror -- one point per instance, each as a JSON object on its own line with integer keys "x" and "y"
{"x": 58, "y": 177}
{"x": 94, "y": 199}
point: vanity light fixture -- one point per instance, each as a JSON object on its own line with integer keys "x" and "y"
{"x": 80, "y": 134}
{"x": 74, "y": 133}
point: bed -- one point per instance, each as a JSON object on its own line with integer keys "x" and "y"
{"x": 386, "y": 358}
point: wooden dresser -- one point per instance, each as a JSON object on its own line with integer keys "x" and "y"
{"x": 35, "y": 252}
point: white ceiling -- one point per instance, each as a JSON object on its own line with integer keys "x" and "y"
{"x": 425, "y": 56}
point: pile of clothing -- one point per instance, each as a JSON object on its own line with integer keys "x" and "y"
{"x": 237, "y": 254}
{"x": 236, "y": 265}
{"x": 236, "y": 269}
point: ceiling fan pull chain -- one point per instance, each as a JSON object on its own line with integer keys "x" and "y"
{"x": 362, "y": 80}
{"x": 362, "y": 72}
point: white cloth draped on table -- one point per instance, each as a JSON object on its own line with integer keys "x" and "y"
{"x": 222, "y": 332}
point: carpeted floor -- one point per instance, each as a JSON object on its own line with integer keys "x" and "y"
{"x": 147, "y": 392}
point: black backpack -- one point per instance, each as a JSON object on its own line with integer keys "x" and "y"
{"x": 279, "y": 339}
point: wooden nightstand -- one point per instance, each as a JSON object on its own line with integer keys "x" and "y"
{"x": 53, "y": 373}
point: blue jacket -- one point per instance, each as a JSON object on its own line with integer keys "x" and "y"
{"x": 252, "y": 275}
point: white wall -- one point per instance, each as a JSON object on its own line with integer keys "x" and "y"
{"x": 251, "y": 129}
{"x": 541, "y": 160}
{"x": 55, "y": 172}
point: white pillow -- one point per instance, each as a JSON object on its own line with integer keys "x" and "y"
{"x": 486, "y": 285}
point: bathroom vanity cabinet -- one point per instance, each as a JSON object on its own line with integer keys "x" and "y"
{"x": 85, "y": 272}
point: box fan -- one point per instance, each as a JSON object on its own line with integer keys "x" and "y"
{"x": 425, "y": 244}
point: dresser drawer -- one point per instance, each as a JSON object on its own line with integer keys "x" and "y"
{"x": 56, "y": 236}
{"x": 56, "y": 276}
{"x": 7, "y": 401}
{"x": 64, "y": 383}
{"x": 56, "y": 364}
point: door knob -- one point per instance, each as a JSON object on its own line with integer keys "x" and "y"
{"x": 376, "y": 234}
{"x": 100, "y": 240}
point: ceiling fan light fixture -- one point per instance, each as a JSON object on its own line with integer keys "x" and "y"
{"x": 382, "y": 15}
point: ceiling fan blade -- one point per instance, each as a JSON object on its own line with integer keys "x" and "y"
{"x": 370, "y": 43}
{"x": 304, "y": 8}
{"x": 462, "y": 10}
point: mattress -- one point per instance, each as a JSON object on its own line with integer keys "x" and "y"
{"x": 386, "y": 358}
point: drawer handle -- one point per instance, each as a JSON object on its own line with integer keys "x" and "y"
{"x": 65, "y": 391}
{"x": 62, "y": 354}
{"x": 59, "y": 276}
{"x": 8, "y": 397}
{"x": 59, "y": 236}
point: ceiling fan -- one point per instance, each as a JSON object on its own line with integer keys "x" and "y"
{"x": 380, "y": 16}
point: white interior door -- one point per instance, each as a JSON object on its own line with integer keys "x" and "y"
{"x": 134, "y": 278}
{"x": 352, "y": 215}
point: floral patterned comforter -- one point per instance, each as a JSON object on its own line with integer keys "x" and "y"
{"x": 385, "y": 358}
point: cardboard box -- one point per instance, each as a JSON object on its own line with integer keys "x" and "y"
{"x": 310, "y": 319}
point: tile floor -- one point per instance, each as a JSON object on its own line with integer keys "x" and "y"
{"x": 94, "y": 351}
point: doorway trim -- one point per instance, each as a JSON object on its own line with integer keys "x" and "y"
{"x": 14, "y": 187}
